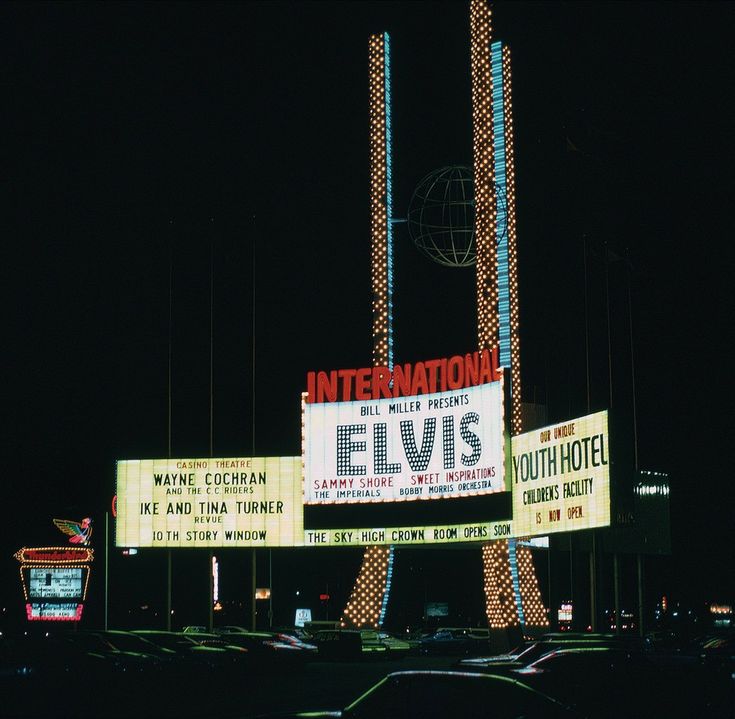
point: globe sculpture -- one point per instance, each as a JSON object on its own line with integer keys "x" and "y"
{"x": 441, "y": 216}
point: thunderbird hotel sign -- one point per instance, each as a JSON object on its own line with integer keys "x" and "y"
{"x": 55, "y": 579}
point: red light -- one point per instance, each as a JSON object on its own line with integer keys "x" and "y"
{"x": 324, "y": 597}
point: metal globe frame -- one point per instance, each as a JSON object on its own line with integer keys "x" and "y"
{"x": 441, "y": 216}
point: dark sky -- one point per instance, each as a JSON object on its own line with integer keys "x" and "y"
{"x": 144, "y": 137}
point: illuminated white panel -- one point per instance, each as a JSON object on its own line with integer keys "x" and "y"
{"x": 433, "y": 446}
{"x": 410, "y": 535}
{"x": 561, "y": 477}
{"x": 209, "y": 502}
{"x": 55, "y": 583}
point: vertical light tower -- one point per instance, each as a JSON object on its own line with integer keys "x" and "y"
{"x": 484, "y": 175}
{"x": 532, "y": 611}
{"x": 511, "y": 588}
{"x": 501, "y": 606}
{"x": 369, "y": 597}
{"x": 512, "y": 596}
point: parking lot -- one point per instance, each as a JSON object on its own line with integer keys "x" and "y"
{"x": 314, "y": 686}
{"x": 250, "y": 675}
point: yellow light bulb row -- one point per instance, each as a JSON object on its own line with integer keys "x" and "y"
{"x": 482, "y": 151}
{"x": 516, "y": 420}
{"x": 534, "y": 610}
{"x": 366, "y": 600}
{"x": 378, "y": 193}
{"x": 500, "y": 603}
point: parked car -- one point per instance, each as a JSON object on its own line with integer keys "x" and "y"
{"x": 63, "y": 655}
{"x": 40, "y": 677}
{"x": 397, "y": 647}
{"x": 266, "y": 650}
{"x": 192, "y": 654}
{"x": 456, "y": 640}
{"x": 715, "y": 650}
{"x": 531, "y": 651}
{"x": 298, "y": 632}
{"x": 312, "y": 628}
{"x": 440, "y": 695}
{"x": 602, "y": 682}
{"x": 121, "y": 657}
{"x": 195, "y": 629}
{"x": 229, "y": 629}
{"x": 354, "y": 644}
{"x": 276, "y": 639}
{"x": 134, "y": 642}
{"x": 308, "y": 648}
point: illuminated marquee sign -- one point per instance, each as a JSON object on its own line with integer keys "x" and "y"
{"x": 54, "y": 581}
{"x": 561, "y": 477}
{"x": 54, "y": 555}
{"x": 431, "y": 430}
{"x": 378, "y": 444}
{"x": 209, "y": 502}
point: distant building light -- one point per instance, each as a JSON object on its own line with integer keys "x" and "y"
{"x": 215, "y": 582}
{"x": 564, "y": 613}
{"x": 652, "y": 490}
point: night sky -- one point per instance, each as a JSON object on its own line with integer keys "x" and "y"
{"x": 229, "y": 142}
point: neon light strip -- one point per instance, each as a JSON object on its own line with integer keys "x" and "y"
{"x": 501, "y": 228}
{"x": 389, "y": 264}
{"x": 388, "y": 579}
{"x": 514, "y": 576}
{"x": 512, "y": 243}
{"x": 388, "y": 196}
{"x": 85, "y": 554}
{"x": 501, "y": 238}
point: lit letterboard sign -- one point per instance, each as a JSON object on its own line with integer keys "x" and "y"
{"x": 561, "y": 477}
{"x": 209, "y": 502}
{"x": 55, "y": 583}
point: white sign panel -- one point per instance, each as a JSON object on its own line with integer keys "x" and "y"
{"x": 440, "y": 534}
{"x": 210, "y": 502}
{"x": 432, "y": 446}
{"x": 302, "y": 616}
{"x": 55, "y": 583}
